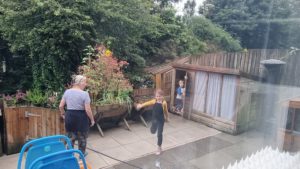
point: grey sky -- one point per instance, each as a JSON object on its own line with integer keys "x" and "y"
{"x": 179, "y": 6}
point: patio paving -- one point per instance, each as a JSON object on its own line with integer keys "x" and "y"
{"x": 129, "y": 145}
{"x": 212, "y": 152}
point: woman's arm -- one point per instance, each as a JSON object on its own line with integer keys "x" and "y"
{"x": 62, "y": 108}
{"x": 89, "y": 113}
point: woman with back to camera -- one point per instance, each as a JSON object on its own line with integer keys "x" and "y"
{"x": 78, "y": 116}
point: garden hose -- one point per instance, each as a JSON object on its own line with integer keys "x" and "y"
{"x": 98, "y": 152}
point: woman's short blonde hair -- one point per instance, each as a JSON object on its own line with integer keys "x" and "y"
{"x": 77, "y": 79}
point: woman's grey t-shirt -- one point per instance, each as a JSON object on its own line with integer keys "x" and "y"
{"x": 76, "y": 99}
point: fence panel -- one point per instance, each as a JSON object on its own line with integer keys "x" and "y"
{"x": 25, "y": 123}
{"x": 247, "y": 62}
{"x": 143, "y": 92}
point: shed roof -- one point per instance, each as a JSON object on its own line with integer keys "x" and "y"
{"x": 295, "y": 103}
{"x": 206, "y": 69}
{"x": 272, "y": 61}
{"x": 166, "y": 67}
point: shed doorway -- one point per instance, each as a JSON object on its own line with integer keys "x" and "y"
{"x": 180, "y": 75}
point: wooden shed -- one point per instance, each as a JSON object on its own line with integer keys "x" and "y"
{"x": 216, "y": 97}
{"x": 289, "y": 129}
{"x": 212, "y": 95}
{"x": 163, "y": 76}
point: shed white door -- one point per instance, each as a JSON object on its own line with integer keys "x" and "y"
{"x": 215, "y": 94}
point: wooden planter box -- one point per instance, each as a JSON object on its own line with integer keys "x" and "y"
{"x": 109, "y": 111}
{"x": 22, "y": 124}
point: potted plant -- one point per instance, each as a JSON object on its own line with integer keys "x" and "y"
{"x": 109, "y": 88}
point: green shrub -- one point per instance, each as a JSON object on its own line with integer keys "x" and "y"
{"x": 213, "y": 35}
{"x": 36, "y": 97}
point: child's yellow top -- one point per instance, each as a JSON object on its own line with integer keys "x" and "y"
{"x": 164, "y": 104}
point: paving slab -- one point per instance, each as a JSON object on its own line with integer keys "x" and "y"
{"x": 213, "y": 152}
{"x": 139, "y": 142}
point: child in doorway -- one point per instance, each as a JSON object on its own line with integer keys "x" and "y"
{"x": 180, "y": 93}
{"x": 159, "y": 116}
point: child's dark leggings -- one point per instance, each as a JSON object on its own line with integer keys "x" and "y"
{"x": 158, "y": 125}
{"x": 158, "y": 121}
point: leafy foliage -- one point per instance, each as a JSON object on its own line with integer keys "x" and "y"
{"x": 50, "y": 36}
{"x": 165, "y": 3}
{"x": 53, "y": 34}
{"x": 107, "y": 83}
{"x": 215, "y": 37}
{"x": 141, "y": 80}
{"x": 258, "y": 23}
{"x": 140, "y": 31}
{"x": 189, "y": 8}
{"x": 16, "y": 99}
{"x": 36, "y": 97}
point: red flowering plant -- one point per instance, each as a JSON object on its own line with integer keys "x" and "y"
{"x": 107, "y": 83}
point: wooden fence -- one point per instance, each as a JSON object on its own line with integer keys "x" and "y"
{"x": 247, "y": 62}
{"x": 290, "y": 75}
{"x": 142, "y": 95}
{"x": 143, "y": 92}
{"x": 25, "y": 123}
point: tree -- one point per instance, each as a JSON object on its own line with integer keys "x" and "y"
{"x": 137, "y": 33}
{"x": 50, "y": 34}
{"x": 257, "y": 23}
{"x": 165, "y": 3}
{"x": 189, "y": 8}
{"x": 17, "y": 74}
{"x": 215, "y": 38}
